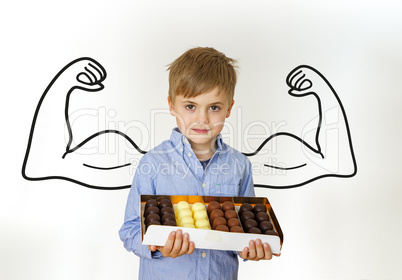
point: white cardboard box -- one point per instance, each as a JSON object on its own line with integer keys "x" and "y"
{"x": 211, "y": 239}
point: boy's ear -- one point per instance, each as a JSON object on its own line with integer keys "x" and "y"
{"x": 171, "y": 109}
{"x": 230, "y": 109}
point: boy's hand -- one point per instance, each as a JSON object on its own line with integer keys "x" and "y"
{"x": 177, "y": 245}
{"x": 257, "y": 251}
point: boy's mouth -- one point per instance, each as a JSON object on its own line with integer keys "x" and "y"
{"x": 200, "y": 130}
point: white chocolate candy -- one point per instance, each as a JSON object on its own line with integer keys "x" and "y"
{"x": 197, "y": 206}
{"x": 201, "y": 214}
{"x": 202, "y": 223}
{"x": 186, "y": 220}
{"x": 182, "y": 205}
{"x": 188, "y": 225}
{"x": 204, "y": 228}
{"x": 184, "y": 213}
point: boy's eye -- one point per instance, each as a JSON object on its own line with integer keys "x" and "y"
{"x": 214, "y": 108}
{"x": 190, "y": 107}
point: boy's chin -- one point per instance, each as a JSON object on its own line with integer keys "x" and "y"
{"x": 202, "y": 141}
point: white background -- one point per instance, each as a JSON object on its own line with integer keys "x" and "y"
{"x": 333, "y": 228}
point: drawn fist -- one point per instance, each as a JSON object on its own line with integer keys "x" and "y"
{"x": 84, "y": 73}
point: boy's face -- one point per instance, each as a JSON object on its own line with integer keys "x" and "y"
{"x": 201, "y": 118}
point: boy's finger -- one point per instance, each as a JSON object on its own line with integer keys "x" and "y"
{"x": 191, "y": 247}
{"x": 259, "y": 249}
{"x": 244, "y": 253}
{"x": 251, "y": 250}
{"x": 185, "y": 244}
{"x": 170, "y": 241}
{"x": 152, "y": 248}
{"x": 177, "y": 243}
{"x": 267, "y": 251}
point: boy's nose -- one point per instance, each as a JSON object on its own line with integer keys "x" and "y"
{"x": 202, "y": 117}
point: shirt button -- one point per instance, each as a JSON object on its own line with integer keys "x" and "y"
{"x": 189, "y": 154}
{"x": 181, "y": 149}
{"x": 185, "y": 140}
{"x": 204, "y": 185}
{"x": 204, "y": 254}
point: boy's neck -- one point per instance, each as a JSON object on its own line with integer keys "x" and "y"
{"x": 204, "y": 152}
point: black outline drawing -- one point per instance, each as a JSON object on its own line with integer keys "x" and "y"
{"x": 91, "y": 79}
{"x": 297, "y": 81}
{"x": 92, "y": 75}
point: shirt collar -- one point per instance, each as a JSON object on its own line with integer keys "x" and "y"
{"x": 178, "y": 140}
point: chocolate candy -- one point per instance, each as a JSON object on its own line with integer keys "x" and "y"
{"x": 214, "y": 214}
{"x": 168, "y": 217}
{"x": 212, "y": 206}
{"x": 233, "y": 222}
{"x": 166, "y": 210}
{"x": 254, "y": 230}
{"x": 245, "y": 207}
{"x": 261, "y": 216}
{"x": 246, "y": 215}
{"x": 228, "y": 205}
{"x": 250, "y": 223}
{"x": 222, "y": 228}
{"x": 152, "y": 217}
{"x": 151, "y": 202}
{"x": 229, "y": 214}
{"x": 218, "y": 221}
{"x": 169, "y": 223}
{"x": 236, "y": 229}
{"x": 259, "y": 208}
{"x": 270, "y": 232}
{"x": 265, "y": 225}
{"x": 151, "y": 209}
{"x": 165, "y": 203}
{"x": 202, "y": 223}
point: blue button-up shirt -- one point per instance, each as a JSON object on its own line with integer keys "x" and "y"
{"x": 172, "y": 168}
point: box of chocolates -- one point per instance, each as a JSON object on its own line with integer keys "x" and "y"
{"x": 220, "y": 223}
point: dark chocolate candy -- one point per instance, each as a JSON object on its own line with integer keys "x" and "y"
{"x": 151, "y": 202}
{"x": 165, "y": 203}
{"x": 245, "y": 207}
{"x": 166, "y": 210}
{"x": 169, "y": 223}
{"x": 152, "y": 217}
{"x": 247, "y": 224}
{"x": 151, "y": 209}
{"x": 265, "y": 225}
{"x": 246, "y": 215}
{"x": 259, "y": 207}
{"x": 261, "y": 216}
{"x": 270, "y": 232}
{"x": 254, "y": 230}
{"x": 168, "y": 217}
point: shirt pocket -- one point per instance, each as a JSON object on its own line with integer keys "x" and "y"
{"x": 226, "y": 189}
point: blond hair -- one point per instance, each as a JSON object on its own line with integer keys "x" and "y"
{"x": 200, "y": 70}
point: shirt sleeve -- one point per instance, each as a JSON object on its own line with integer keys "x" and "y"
{"x": 246, "y": 183}
{"x": 130, "y": 232}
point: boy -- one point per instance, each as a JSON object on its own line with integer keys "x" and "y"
{"x": 195, "y": 161}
